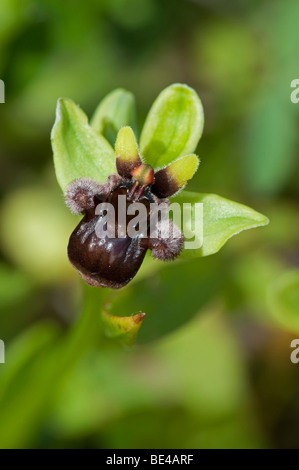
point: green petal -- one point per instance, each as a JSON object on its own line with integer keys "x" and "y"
{"x": 116, "y": 110}
{"x": 173, "y": 126}
{"x": 78, "y": 150}
{"x": 173, "y": 177}
{"x": 222, "y": 219}
{"x": 126, "y": 149}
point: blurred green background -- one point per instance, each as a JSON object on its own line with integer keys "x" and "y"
{"x": 212, "y": 365}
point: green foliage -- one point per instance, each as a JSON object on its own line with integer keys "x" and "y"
{"x": 167, "y": 296}
{"x": 78, "y": 150}
{"x": 116, "y": 110}
{"x": 47, "y": 358}
{"x": 173, "y": 126}
{"x": 25, "y": 239}
{"x": 207, "y": 399}
{"x": 270, "y": 156}
{"x": 212, "y": 322}
{"x": 283, "y": 300}
{"x": 222, "y": 219}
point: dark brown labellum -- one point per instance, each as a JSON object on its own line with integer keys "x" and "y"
{"x": 112, "y": 262}
{"x": 106, "y": 262}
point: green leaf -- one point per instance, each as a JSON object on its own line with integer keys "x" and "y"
{"x": 283, "y": 300}
{"x": 173, "y": 126}
{"x": 78, "y": 150}
{"x": 124, "y": 329}
{"x": 116, "y": 110}
{"x": 170, "y": 296}
{"x": 222, "y": 219}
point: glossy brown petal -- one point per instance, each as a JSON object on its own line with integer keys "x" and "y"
{"x": 173, "y": 177}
